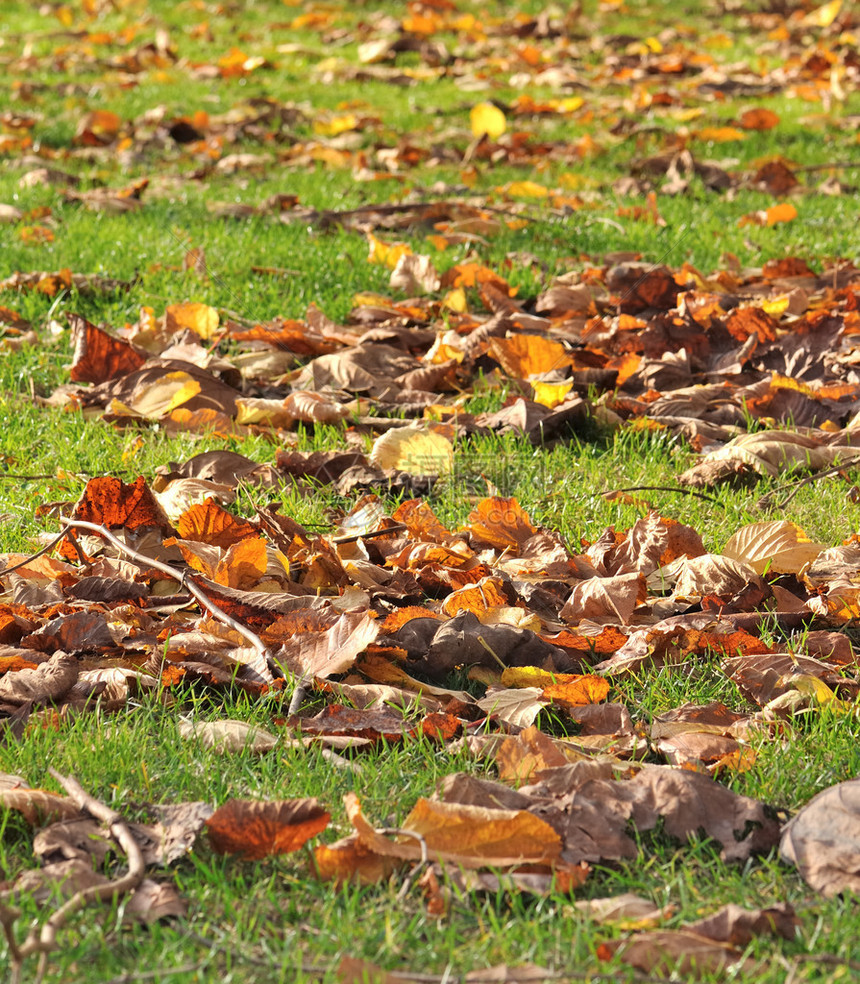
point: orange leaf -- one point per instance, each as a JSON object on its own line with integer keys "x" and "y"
{"x": 522, "y": 356}
{"x": 478, "y": 598}
{"x": 720, "y": 134}
{"x": 244, "y": 564}
{"x": 199, "y": 318}
{"x": 349, "y": 860}
{"x": 501, "y": 523}
{"x": 587, "y": 689}
{"x": 759, "y": 119}
{"x": 98, "y": 355}
{"x": 478, "y": 835}
{"x": 209, "y": 523}
{"x": 257, "y": 829}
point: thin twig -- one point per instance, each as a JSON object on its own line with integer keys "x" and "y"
{"x": 837, "y": 165}
{"x": 397, "y": 528}
{"x": 830, "y": 959}
{"x": 147, "y": 975}
{"x": 34, "y": 556}
{"x": 765, "y": 501}
{"x": 43, "y": 941}
{"x": 665, "y": 488}
{"x": 180, "y": 576}
{"x": 409, "y": 880}
{"x": 27, "y": 478}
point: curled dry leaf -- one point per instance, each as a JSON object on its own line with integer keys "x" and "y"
{"x": 37, "y": 806}
{"x": 474, "y": 836}
{"x": 823, "y": 840}
{"x": 414, "y": 450}
{"x": 256, "y": 829}
{"x": 229, "y": 736}
{"x": 414, "y": 273}
{"x": 49, "y": 681}
{"x": 675, "y": 952}
{"x": 471, "y": 836}
{"x": 628, "y": 911}
{"x": 351, "y": 860}
{"x": 770, "y": 453}
{"x": 63, "y": 878}
{"x": 153, "y": 901}
{"x": 330, "y": 650}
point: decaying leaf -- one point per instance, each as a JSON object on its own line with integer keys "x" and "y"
{"x": 229, "y": 736}
{"x": 823, "y": 840}
{"x": 256, "y": 829}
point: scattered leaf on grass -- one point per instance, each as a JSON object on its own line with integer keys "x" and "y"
{"x": 823, "y": 840}
{"x": 256, "y": 829}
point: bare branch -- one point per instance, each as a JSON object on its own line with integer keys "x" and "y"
{"x": 43, "y": 941}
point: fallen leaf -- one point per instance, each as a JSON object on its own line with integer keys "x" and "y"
{"x": 823, "y": 840}
{"x": 256, "y": 829}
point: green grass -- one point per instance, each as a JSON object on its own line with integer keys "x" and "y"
{"x": 270, "y": 920}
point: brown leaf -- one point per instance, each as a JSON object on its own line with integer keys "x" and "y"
{"x": 110, "y": 502}
{"x": 331, "y": 649}
{"x": 674, "y": 952}
{"x": 601, "y": 599}
{"x": 98, "y": 355}
{"x": 351, "y": 860}
{"x": 256, "y": 829}
{"x": 178, "y": 827}
{"x": 522, "y": 757}
{"x": 37, "y": 806}
{"x": 49, "y": 681}
{"x": 229, "y": 736}
{"x": 474, "y": 836}
{"x": 153, "y": 901}
{"x": 687, "y": 801}
{"x": 64, "y": 878}
{"x": 209, "y": 523}
{"x": 823, "y": 840}
{"x": 738, "y": 926}
{"x": 386, "y": 724}
{"x": 353, "y": 970}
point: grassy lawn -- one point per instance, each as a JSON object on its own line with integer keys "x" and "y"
{"x": 210, "y": 110}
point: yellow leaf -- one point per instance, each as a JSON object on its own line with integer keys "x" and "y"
{"x": 386, "y": 253}
{"x": 199, "y": 318}
{"x": 720, "y": 134}
{"x": 776, "y": 305}
{"x": 811, "y": 686}
{"x": 413, "y": 449}
{"x": 336, "y": 125}
{"x": 569, "y": 105}
{"x": 368, "y": 299}
{"x": 525, "y": 189}
{"x": 823, "y": 16}
{"x": 166, "y": 394}
{"x": 455, "y": 300}
{"x": 529, "y": 676}
{"x": 487, "y": 120}
{"x": 551, "y": 394}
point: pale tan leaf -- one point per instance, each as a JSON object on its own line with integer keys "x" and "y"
{"x": 823, "y": 840}
{"x": 49, "y": 681}
{"x": 776, "y": 547}
{"x": 413, "y": 449}
{"x": 37, "y": 806}
{"x": 229, "y": 736}
{"x": 518, "y": 705}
